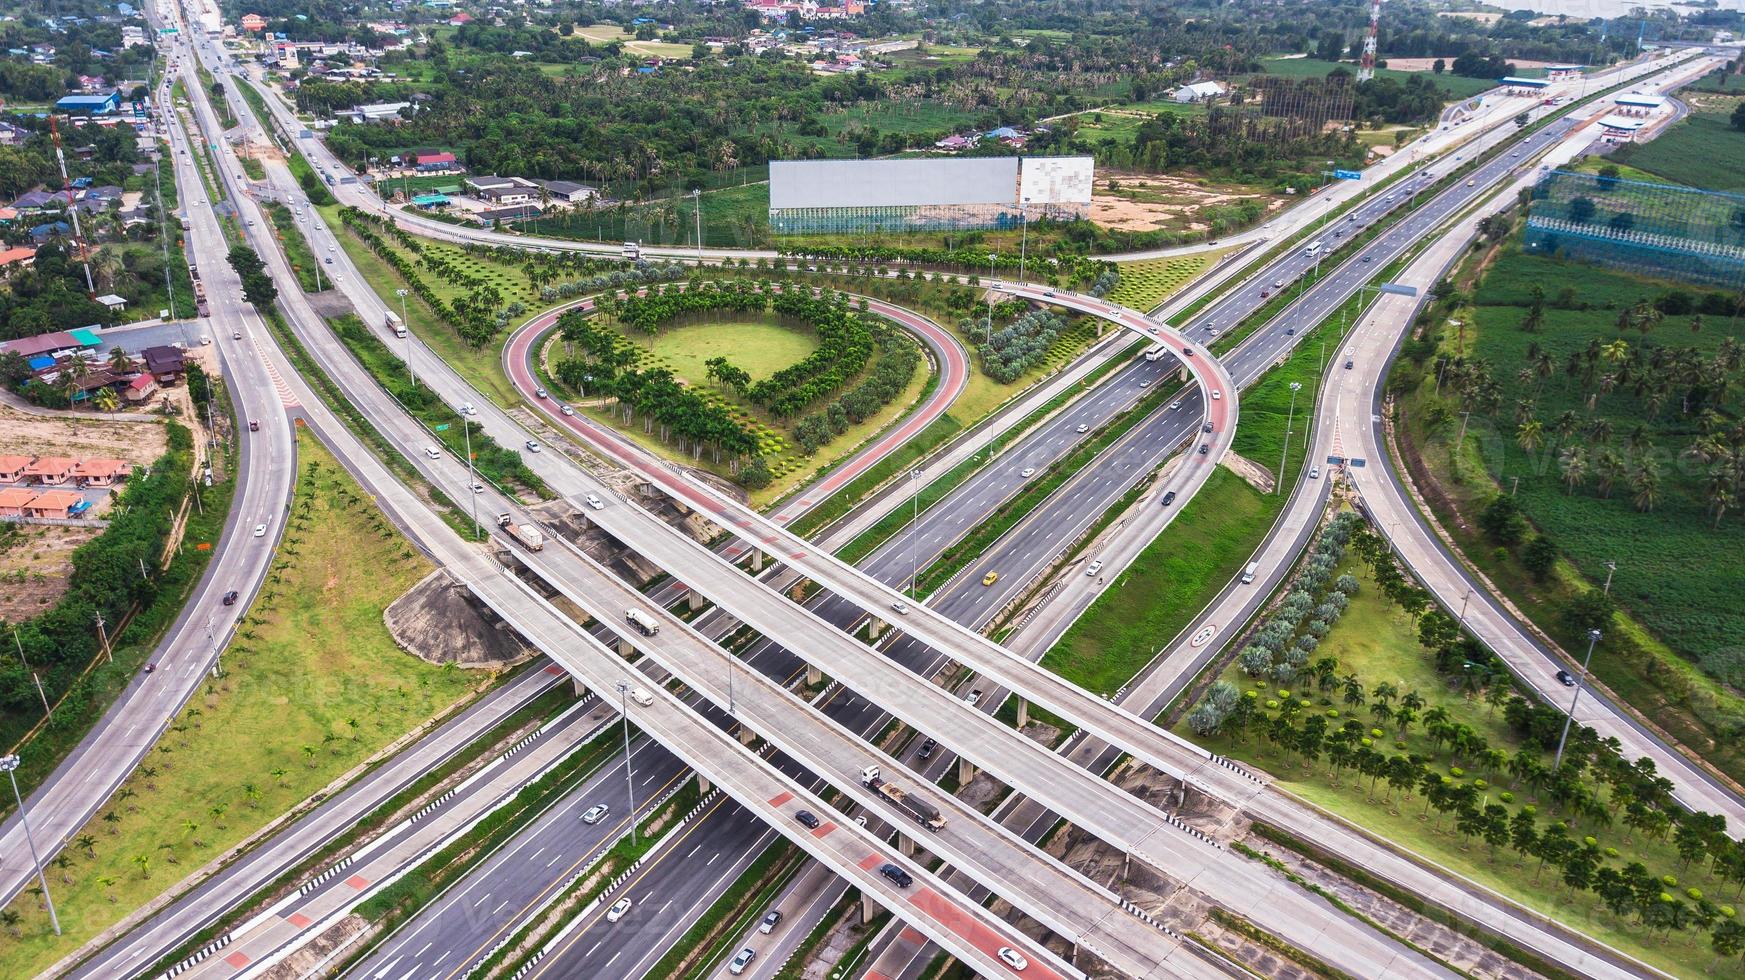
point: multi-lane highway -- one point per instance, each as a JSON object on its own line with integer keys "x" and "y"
{"x": 265, "y": 464}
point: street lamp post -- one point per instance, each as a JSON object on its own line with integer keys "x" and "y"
{"x": 408, "y": 328}
{"x": 1593, "y": 637}
{"x": 9, "y": 765}
{"x": 466, "y": 429}
{"x": 629, "y": 781}
{"x": 914, "y": 525}
{"x": 1611, "y": 567}
{"x": 1284, "y": 453}
{"x": 990, "y": 300}
{"x": 1023, "y": 236}
{"x": 697, "y": 211}
{"x": 1463, "y": 601}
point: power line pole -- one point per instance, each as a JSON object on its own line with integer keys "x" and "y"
{"x": 1284, "y": 453}
{"x": 1593, "y": 637}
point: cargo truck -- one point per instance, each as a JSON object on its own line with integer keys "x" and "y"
{"x": 394, "y": 324}
{"x": 529, "y": 536}
{"x": 924, "y": 813}
{"x": 643, "y": 622}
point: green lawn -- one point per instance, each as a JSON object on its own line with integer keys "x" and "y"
{"x": 313, "y": 658}
{"x": 1377, "y": 642}
{"x": 1703, "y": 150}
{"x": 733, "y": 217}
{"x": 760, "y": 348}
{"x": 1456, "y": 86}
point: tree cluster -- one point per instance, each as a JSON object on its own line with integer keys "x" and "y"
{"x": 1013, "y": 349}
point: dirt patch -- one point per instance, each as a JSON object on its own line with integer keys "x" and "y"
{"x": 439, "y": 621}
{"x": 311, "y": 959}
{"x": 1143, "y": 202}
{"x": 1257, "y": 476}
{"x": 38, "y": 435}
{"x": 36, "y": 561}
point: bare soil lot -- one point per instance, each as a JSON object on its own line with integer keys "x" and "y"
{"x": 35, "y": 563}
{"x": 1142, "y": 202}
{"x": 37, "y": 435}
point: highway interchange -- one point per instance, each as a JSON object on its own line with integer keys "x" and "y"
{"x": 1162, "y": 432}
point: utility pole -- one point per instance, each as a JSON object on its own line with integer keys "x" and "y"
{"x": 629, "y": 782}
{"x": 1593, "y": 637}
{"x": 103, "y": 638}
{"x": 990, "y": 339}
{"x": 1023, "y": 236}
{"x": 1611, "y": 568}
{"x": 1284, "y": 453}
{"x": 9, "y": 765}
{"x": 408, "y": 328}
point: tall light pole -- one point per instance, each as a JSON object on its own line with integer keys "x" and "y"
{"x": 1023, "y": 236}
{"x": 697, "y": 210}
{"x": 914, "y": 525}
{"x": 9, "y": 765}
{"x": 408, "y": 328}
{"x": 1284, "y": 453}
{"x": 1593, "y": 637}
{"x": 466, "y": 429}
{"x": 629, "y": 783}
{"x": 1463, "y": 601}
{"x": 990, "y": 298}
{"x": 1611, "y": 567}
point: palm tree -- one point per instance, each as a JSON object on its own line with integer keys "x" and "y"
{"x": 143, "y": 861}
{"x": 107, "y": 882}
{"x": 88, "y": 844}
{"x": 1574, "y": 464}
{"x": 1531, "y": 435}
{"x": 119, "y": 362}
{"x": 1645, "y": 484}
{"x": 106, "y": 400}
{"x": 10, "y": 920}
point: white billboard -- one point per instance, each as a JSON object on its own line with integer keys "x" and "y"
{"x": 1054, "y": 180}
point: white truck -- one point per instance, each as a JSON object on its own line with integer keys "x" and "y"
{"x": 530, "y": 537}
{"x": 643, "y": 622}
{"x": 631, "y": 250}
{"x": 395, "y": 324}
{"x": 922, "y": 812}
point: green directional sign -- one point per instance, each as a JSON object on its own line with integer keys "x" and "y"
{"x": 443, "y": 427}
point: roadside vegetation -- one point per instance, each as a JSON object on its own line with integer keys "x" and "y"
{"x": 1364, "y": 697}
{"x": 311, "y": 686}
{"x": 1705, "y": 149}
{"x": 1598, "y": 429}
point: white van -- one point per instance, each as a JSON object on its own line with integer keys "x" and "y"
{"x": 1248, "y": 573}
{"x": 641, "y": 696}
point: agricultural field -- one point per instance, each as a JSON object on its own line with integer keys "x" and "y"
{"x": 604, "y": 33}
{"x": 1604, "y": 475}
{"x": 1148, "y": 282}
{"x": 1456, "y": 86}
{"x": 1701, "y": 150}
{"x": 313, "y": 685}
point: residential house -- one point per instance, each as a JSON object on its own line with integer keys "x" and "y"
{"x": 503, "y": 191}
{"x": 13, "y": 499}
{"x": 13, "y": 259}
{"x": 49, "y": 471}
{"x": 54, "y": 229}
{"x": 253, "y": 23}
{"x": 166, "y": 364}
{"x": 140, "y": 389}
{"x": 11, "y": 135}
{"x": 54, "y": 344}
{"x": 101, "y": 472}
{"x": 114, "y": 303}
{"x": 12, "y": 467}
{"x": 61, "y": 504}
{"x": 37, "y": 200}
{"x": 374, "y": 112}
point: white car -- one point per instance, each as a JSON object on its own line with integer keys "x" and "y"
{"x": 973, "y": 698}
{"x": 596, "y": 813}
{"x": 532, "y": 446}
{"x": 618, "y": 909}
{"x": 594, "y": 502}
{"x": 260, "y": 530}
{"x": 900, "y": 607}
{"x": 1174, "y": 405}
{"x": 1083, "y": 427}
{"x": 478, "y": 488}
{"x": 1314, "y": 472}
{"x": 567, "y": 410}
{"x": 741, "y": 960}
{"x": 1013, "y": 958}
{"x": 1028, "y": 472}
{"x": 433, "y": 452}
{"x": 1094, "y": 567}
{"x": 1216, "y": 394}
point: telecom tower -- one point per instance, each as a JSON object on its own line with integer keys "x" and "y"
{"x": 1366, "y": 68}
{"x": 79, "y": 246}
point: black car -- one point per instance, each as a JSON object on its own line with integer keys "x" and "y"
{"x": 1347, "y": 365}
{"x": 807, "y": 820}
{"x": 1204, "y": 449}
{"x": 230, "y": 598}
{"x": 1206, "y": 428}
{"x": 927, "y": 748}
{"x": 898, "y": 876}
{"x": 1566, "y": 678}
{"x": 1290, "y": 331}
{"x": 1169, "y": 498}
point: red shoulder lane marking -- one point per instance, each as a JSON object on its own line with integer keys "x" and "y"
{"x": 358, "y": 882}
{"x": 238, "y": 960}
{"x": 299, "y": 920}
{"x": 781, "y": 800}
{"x": 871, "y": 861}
{"x": 824, "y": 828}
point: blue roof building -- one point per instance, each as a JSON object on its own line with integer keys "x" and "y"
{"x": 90, "y": 105}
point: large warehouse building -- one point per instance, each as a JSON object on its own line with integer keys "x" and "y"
{"x": 821, "y": 197}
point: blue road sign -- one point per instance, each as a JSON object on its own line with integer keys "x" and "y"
{"x": 1335, "y": 460}
{"x": 1357, "y": 462}
{"x": 1348, "y": 174}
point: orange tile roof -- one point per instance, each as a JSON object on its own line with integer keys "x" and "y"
{"x": 56, "y": 499}
{"x": 16, "y": 496}
{"x": 101, "y": 467}
{"x": 10, "y": 463}
{"x": 52, "y": 464}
